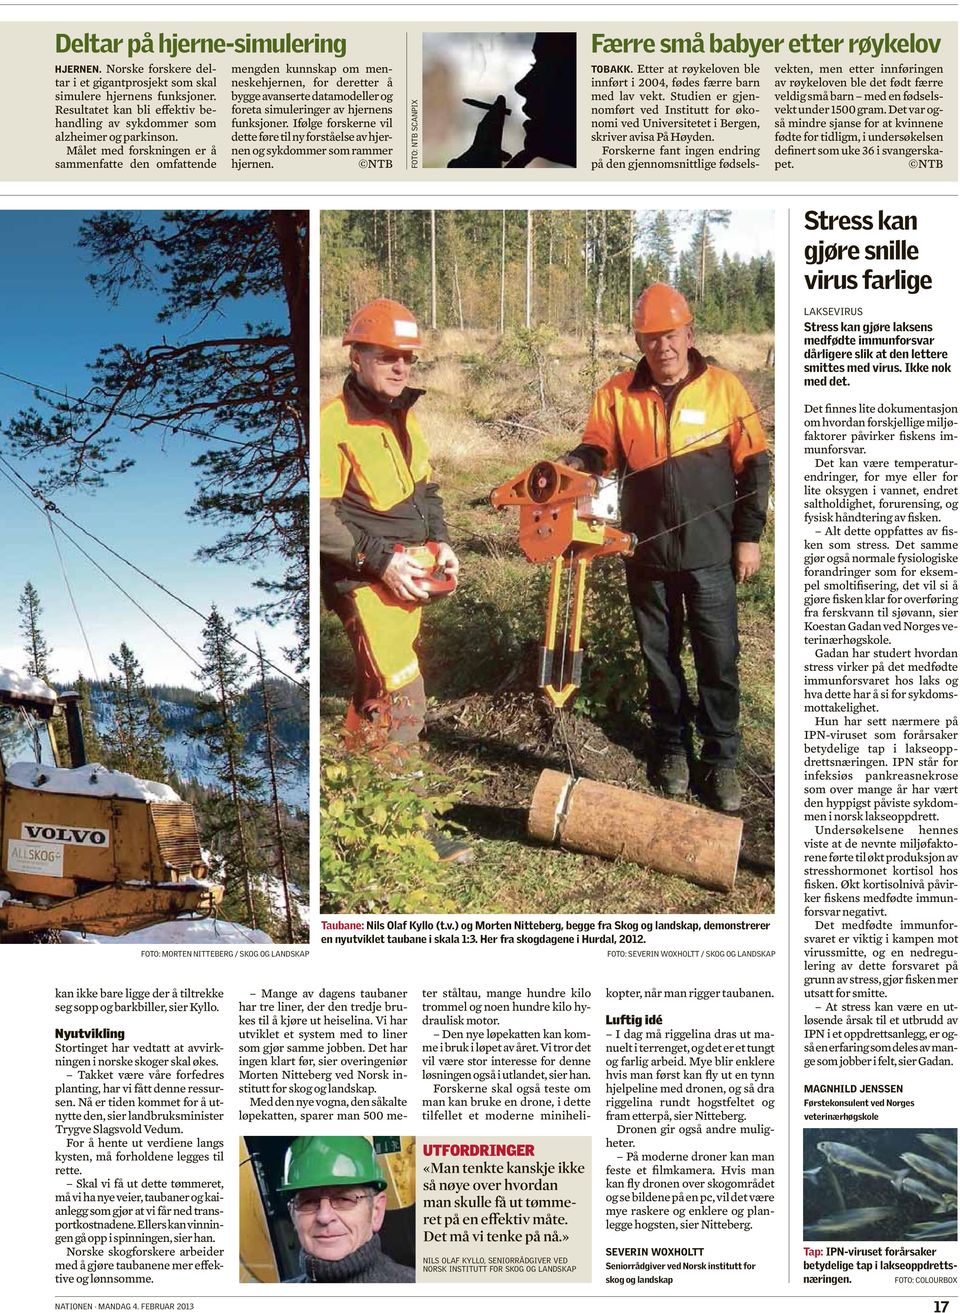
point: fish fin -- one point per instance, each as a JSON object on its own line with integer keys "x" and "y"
{"x": 898, "y": 1179}
{"x": 831, "y": 1175}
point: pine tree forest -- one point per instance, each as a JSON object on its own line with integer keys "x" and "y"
{"x": 571, "y": 270}
{"x": 251, "y": 728}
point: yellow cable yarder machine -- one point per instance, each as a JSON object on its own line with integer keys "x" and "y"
{"x": 564, "y": 518}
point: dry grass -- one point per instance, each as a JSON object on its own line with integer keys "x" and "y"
{"x": 458, "y": 445}
{"x": 332, "y": 354}
{"x": 460, "y": 342}
{"x": 737, "y": 351}
{"x": 445, "y": 378}
{"x": 482, "y": 410}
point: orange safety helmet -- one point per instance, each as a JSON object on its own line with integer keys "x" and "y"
{"x": 384, "y": 323}
{"x": 659, "y": 309}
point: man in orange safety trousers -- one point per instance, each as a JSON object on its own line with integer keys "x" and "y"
{"x": 691, "y": 452}
{"x": 379, "y": 509}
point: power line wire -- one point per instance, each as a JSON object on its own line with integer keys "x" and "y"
{"x": 193, "y": 657}
{"x": 673, "y": 528}
{"x": 689, "y": 447}
{"x": 45, "y": 510}
{"x": 76, "y": 612}
{"x": 46, "y": 506}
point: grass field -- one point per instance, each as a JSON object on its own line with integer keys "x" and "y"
{"x": 491, "y": 408}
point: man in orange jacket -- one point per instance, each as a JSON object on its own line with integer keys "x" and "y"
{"x": 383, "y": 536}
{"x": 688, "y": 444}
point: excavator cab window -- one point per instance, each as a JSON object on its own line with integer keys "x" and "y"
{"x": 25, "y": 737}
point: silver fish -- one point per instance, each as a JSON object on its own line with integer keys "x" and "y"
{"x": 945, "y": 1149}
{"x": 812, "y": 1174}
{"x": 855, "y": 1160}
{"x": 854, "y": 1219}
{"x": 944, "y": 1230}
{"x": 923, "y": 1191}
{"x": 945, "y": 1177}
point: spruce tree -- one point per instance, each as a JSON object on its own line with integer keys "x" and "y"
{"x": 222, "y": 676}
{"x": 34, "y": 644}
{"x": 706, "y": 256}
{"x": 91, "y": 737}
{"x": 661, "y": 251}
{"x": 135, "y": 740}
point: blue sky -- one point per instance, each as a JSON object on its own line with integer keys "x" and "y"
{"x": 52, "y": 326}
{"x": 750, "y": 232}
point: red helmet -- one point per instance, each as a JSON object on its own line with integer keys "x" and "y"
{"x": 659, "y": 309}
{"x": 384, "y": 323}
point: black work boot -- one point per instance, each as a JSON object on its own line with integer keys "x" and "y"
{"x": 670, "y": 772}
{"x": 450, "y": 851}
{"x": 721, "y": 788}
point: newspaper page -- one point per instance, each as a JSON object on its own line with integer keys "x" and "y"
{"x": 411, "y": 614}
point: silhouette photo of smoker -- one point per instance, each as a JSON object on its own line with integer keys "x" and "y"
{"x": 533, "y": 124}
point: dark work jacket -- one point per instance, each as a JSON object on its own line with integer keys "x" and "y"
{"x": 695, "y": 469}
{"x": 368, "y": 1265}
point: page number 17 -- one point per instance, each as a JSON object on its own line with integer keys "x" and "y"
{"x": 941, "y": 1305}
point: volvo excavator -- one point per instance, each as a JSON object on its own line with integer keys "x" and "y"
{"x": 83, "y": 847}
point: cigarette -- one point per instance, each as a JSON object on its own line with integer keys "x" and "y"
{"x": 481, "y": 104}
